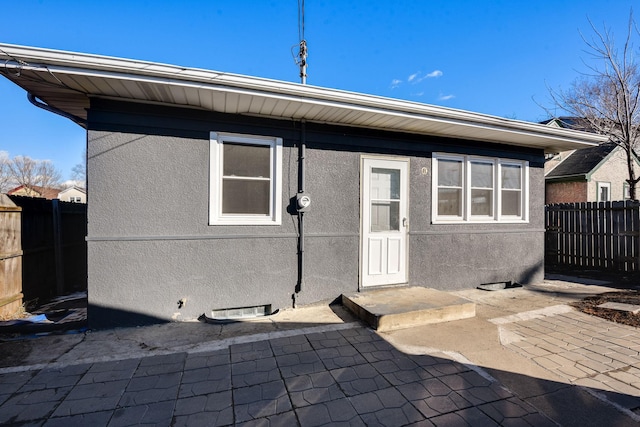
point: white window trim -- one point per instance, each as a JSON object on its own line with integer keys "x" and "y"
{"x": 466, "y": 216}
{"x": 602, "y": 184}
{"x": 216, "y": 143}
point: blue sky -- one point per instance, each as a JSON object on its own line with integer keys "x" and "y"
{"x": 490, "y": 56}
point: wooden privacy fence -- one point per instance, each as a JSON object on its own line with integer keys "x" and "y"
{"x": 54, "y": 247}
{"x": 10, "y": 258}
{"x": 599, "y": 236}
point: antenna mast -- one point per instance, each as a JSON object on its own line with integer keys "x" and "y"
{"x": 302, "y": 54}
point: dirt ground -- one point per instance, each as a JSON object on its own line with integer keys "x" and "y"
{"x": 590, "y": 305}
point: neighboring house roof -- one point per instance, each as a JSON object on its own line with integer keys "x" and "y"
{"x": 30, "y": 190}
{"x": 73, "y": 187}
{"x": 67, "y": 80}
{"x": 568, "y": 122}
{"x": 583, "y": 162}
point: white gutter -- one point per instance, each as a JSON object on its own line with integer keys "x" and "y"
{"x": 28, "y": 58}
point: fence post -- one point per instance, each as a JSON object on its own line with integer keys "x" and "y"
{"x": 57, "y": 246}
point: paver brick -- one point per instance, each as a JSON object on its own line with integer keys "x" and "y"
{"x": 306, "y": 362}
{"x": 623, "y": 376}
{"x": 624, "y": 359}
{"x": 250, "y": 351}
{"x": 212, "y": 409}
{"x": 207, "y": 359}
{"x": 12, "y": 382}
{"x": 594, "y": 365}
{"x": 53, "y": 378}
{"x": 340, "y": 356}
{"x": 311, "y": 389}
{"x": 162, "y": 364}
{"x": 547, "y": 363}
{"x": 148, "y": 414}
{"x": 205, "y": 381}
{"x": 504, "y": 410}
{"x": 385, "y": 407}
{"x": 334, "y": 413}
{"x": 358, "y": 379}
{"x": 401, "y": 371}
{"x": 285, "y": 419}
{"x": 32, "y": 405}
{"x": 98, "y": 418}
{"x": 253, "y": 372}
{"x": 151, "y": 389}
{"x": 464, "y": 417}
{"x": 110, "y": 371}
{"x": 290, "y": 345}
{"x": 92, "y": 397}
{"x": 438, "y": 405}
{"x": 260, "y": 401}
{"x": 327, "y": 339}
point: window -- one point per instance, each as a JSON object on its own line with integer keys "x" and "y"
{"x": 245, "y": 179}
{"x": 482, "y": 202}
{"x": 479, "y": 189}
{"x": 449, "y": 187}
{"x": 626, "y": 191}
{"x": 604, "y": 191}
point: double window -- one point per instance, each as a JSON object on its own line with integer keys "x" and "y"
{"x": 245, "y": 182}
{"x": 479, "y": 189}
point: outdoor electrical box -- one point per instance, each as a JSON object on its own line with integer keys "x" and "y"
{"x": 302, "y": 202}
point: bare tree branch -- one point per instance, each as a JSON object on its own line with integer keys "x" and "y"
{"x": 608, "y": 99}
{"x": 30, "y": 173}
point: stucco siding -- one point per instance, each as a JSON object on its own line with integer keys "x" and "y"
{"x": 613, "y": 171}
{"x": 151, "y": 245}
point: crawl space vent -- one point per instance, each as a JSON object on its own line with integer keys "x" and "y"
{"x": 242, "y": 312}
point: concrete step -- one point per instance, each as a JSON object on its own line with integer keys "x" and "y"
{"x": 389, "y": 309}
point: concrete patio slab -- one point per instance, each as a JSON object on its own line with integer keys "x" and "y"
{"x": 390, "y": 309}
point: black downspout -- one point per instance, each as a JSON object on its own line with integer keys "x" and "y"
{"x": 77, "y": 120}
{"x": 301, "y": 190}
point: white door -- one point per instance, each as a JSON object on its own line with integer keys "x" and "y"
{"x": 384, "y": 221}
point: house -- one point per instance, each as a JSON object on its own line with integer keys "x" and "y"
{"x": 297, "y": 193}
{"x": 592, "y": 174}
{"x": 48, "y": 193}
{"x": 73, "y": 194}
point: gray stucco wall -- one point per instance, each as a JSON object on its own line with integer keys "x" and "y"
{"x": 150, "y": 245}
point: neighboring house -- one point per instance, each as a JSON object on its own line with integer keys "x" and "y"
{"x": 592, "y": 174}
{"x": 392, "y": 192}
{"x": 73, "y": 194}
{"x": 35, "y": 191}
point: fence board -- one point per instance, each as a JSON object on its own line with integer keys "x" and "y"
{"x": 603, "y": 235}
{"x": 54, "y": 248}
{"x": 10, "y": 258}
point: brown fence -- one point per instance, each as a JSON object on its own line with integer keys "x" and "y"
{"x": 10, "y": 258}
{"x": 599, "y": 236}
{"x": 54, "y": 260}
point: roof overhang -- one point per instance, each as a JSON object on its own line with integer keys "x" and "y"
{"x": 66, "y": 81}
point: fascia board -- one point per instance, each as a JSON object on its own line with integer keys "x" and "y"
{"x": 87, "y": 65}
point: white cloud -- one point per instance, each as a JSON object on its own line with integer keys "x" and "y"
{"x": 445, "y": 97}
{"x": 412, "y": 77}
{"x": 395, "y": 83}
{"x": 434, "y": 73}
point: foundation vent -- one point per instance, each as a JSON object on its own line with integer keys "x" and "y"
{"x": 241, "y": 312}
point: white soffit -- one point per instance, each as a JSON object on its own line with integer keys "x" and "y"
{"x": 66, "y": 81}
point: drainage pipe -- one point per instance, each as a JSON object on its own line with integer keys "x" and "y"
{"x": 301, "y": 190}
{"x": 77, "y": 120}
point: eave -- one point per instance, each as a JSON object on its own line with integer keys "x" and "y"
{"x": 66, "y": 81}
